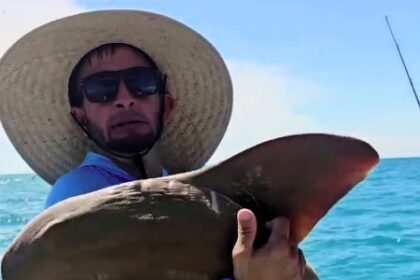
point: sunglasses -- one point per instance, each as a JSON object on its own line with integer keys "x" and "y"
{"x": 141, "y": 82}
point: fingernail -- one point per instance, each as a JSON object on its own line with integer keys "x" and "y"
{"x": 245, "y": 216}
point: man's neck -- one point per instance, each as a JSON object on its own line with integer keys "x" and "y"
{"x": 151, "y": 162}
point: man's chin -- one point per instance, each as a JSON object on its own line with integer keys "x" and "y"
{"x": 131, "y": 145}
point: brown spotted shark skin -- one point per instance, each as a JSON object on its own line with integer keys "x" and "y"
{"x": 183, "y": 226}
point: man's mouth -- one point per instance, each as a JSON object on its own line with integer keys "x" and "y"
{"x": 126, "y": 123}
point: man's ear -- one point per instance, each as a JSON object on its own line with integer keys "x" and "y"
{"x": 79, "y": 115}
{"x": 169, "y": 103}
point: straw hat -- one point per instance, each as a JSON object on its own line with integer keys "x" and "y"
{"x": 34, "y": 72}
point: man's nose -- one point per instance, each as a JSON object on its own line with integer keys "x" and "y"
{"x": 124, "y": 99}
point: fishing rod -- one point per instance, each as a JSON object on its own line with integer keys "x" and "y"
{"x": 403, "y": 62}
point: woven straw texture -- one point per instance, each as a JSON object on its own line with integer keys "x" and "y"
{"x": 34, "y": 74}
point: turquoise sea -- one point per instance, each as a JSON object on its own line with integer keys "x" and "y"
{"x": 372, "y": 233}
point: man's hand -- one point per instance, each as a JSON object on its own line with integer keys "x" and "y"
{"x": 277, "y": 260}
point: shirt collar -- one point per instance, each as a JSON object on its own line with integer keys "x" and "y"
{"x": 101, "y": 161}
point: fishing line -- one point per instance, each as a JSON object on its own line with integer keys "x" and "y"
{"x": 403, "y": 62}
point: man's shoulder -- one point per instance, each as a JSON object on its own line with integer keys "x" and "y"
{"x": 81, "y": 180}
{"x": 80, "y": 174}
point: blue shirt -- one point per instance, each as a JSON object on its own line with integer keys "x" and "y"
{"x": 96, "y": 172}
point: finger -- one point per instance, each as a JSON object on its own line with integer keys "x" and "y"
{"x": 294, "y": 251}
{"x": 279, "y": 231}
{"x": 302, "y": 261}
{"x": 247, "y": 229}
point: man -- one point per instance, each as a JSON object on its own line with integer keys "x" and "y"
{"x": 117, "y": 96}
{"x": 149, "y": 97}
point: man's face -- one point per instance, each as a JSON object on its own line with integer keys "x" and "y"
{"x": 126, "y": 124}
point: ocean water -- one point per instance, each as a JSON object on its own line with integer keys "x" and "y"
{"x": 372, "y": 233}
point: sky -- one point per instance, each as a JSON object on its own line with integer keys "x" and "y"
{"x": 296, "y": 66}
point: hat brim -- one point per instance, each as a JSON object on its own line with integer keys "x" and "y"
{"x": 34, "y": 73}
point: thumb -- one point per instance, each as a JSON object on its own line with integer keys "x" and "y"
{"x": 247, "y": 229}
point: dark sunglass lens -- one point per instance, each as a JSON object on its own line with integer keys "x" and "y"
{"x": 100, "y": 90}
{"x": 143, "y": 82}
